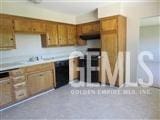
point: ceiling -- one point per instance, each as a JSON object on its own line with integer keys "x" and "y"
{"x": 71, "y": 7}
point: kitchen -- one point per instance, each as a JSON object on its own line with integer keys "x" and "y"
{"x": 35, "y": 50}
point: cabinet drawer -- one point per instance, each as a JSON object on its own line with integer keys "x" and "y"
{"x": 20, "y": 94}
{"x": 17, "y": 72}
{"x": 18, "y": 79}
{"x": 19, "y": 86}
{"x": 38, "y": 67}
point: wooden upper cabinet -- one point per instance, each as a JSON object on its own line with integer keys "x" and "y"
{"x": 22, "y": 25}
{"x": 86, "y": 28}
{"x": 79, "y": 32}
{"x": 38, "y": 26}
{"x": 7, "y": 37}
{"x": 62, "y": 34}
{"x": 50, "y": 38}
{"x": 109, "y": 24}
{"x": 52, "y": 33}
{"x": 96, "y": 27}
{"x": 91, "y": 28}
{"x": 29, "y": 25}
{"x": 71, "y": 32}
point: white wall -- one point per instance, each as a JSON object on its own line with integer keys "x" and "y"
{"x": 88, "y": 17}
{"x": 134, "y": 12}
{"x": 110, "y": 10}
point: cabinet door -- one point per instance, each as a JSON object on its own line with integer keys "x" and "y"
{"x": 38, "y": 26}
{"x": 53, "y": 34}
{"x": 50, "y": 38}
{"x": 23, "y": 25}
{"x": 87, "y": 28}
{"x": 48, "y": 80}
{"x": 96, "y": 27}
{"x": 38, "y": 82}
{"x": 71, "y": 32}
{"x": 73, "y": 73}
{"x": 110, "y": 46}
{"x": 33, "y": 84}
{"x": 7, "y": 38}
{"x": 79, "y": 32}
{"x": 5, "y": 92}
{"x": 109, "y": 24}
{"x": 62, "y": 34}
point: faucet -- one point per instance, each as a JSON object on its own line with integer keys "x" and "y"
{"x": 33, "y": 59}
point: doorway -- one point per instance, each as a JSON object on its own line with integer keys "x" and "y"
{"x": 150, "y": 42}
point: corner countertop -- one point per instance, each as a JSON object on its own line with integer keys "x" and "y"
{"x": 15, "y": 65}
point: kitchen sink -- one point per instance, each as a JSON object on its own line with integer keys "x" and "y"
{"x": 11, "y": 64}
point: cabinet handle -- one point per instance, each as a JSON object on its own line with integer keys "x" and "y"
{"x": 5, "y": 80}
{"x": 21, "y": 94}
{"x": 8, "y": 83}
{"x": 41, "y": 75}
{"x": 11, "y": 39}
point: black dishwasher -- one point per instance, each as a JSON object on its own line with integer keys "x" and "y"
{"x": 62, "y": 73}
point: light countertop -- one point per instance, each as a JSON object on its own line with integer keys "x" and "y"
{"x": 14, "y": 65}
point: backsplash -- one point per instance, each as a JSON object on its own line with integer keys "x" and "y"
{"x": 29, "y": 45}
{"x": 93, "y": 43}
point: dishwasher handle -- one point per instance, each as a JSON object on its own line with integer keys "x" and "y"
{"x": 4, "y": 74}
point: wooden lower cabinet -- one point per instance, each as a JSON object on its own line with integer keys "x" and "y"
{"x": 19, "y": 84}
{"x": 6, "y": 95}
{"x": 25, "y": 82}
{"x": 73, "y": 73}
{"x": 38, "y": 82}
